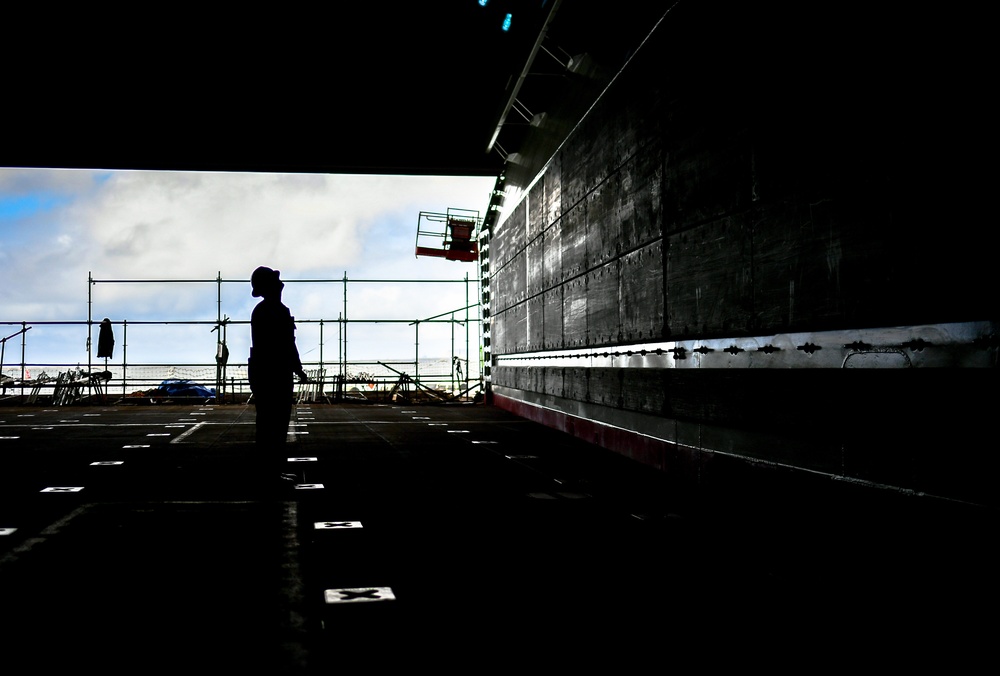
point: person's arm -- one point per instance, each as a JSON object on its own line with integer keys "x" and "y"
{"x": 296, "y": 360}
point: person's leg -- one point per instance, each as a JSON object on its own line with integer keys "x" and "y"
{"x": 273, "y": 416}
{"x": 269, "y": 435}
{"x": 283, "y": 416}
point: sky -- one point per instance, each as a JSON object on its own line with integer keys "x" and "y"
{"x": 60, "y": 227}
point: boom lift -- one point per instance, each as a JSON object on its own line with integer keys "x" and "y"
{"x": 453, "y": 235}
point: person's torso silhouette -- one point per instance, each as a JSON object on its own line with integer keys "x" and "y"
{"x": 274, "y": 360}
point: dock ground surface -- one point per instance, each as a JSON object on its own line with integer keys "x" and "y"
{"x": 450, "y": 538}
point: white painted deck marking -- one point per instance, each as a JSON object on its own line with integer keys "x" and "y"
{"x": 359, "y": 595}
{"x": 159, "y": 434}
{"x": 302, "y": 459}
{"x": 10, "y": 437}
{"x": 108, "y": 462}
{"x": 42, "y": 428}
{"x": 62, "y": 489}
{"x": 186, "y": 433}
{"x": 136, "y": 446}
{"x": 7, "y": 531}
{"x": 307, "y": 487}
{"x": 336, "y": 525}
{"x": 485, "y": 442}
{"x": 559, "y": 494}
{"x": 458, "y": 431}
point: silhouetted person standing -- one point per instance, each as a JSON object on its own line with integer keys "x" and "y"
{"x": 274, "y": 359}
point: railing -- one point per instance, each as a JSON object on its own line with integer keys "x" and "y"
{"x": 29, "y": 380}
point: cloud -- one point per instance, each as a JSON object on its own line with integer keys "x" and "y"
{"x": 181, "y": 225}
{"x": 138, "y": 225}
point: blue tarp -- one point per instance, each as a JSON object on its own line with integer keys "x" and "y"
{"x": 184, "y": 388}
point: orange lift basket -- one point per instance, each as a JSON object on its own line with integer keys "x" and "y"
{"x": 453, "y": 235}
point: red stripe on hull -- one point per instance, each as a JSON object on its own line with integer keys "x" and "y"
{"x": 648, "y": 451}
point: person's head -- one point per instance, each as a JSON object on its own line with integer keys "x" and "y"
{"x": 265, "y": 282}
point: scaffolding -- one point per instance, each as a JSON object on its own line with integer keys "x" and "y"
{"x": 332, "y": 378}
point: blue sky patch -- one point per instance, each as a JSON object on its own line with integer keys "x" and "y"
{"x": 22, "y": 206}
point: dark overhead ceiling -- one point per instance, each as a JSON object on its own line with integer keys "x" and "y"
{"x": 373, "y": 87}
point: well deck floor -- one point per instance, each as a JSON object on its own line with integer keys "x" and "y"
{"x": 138, "y": 539}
